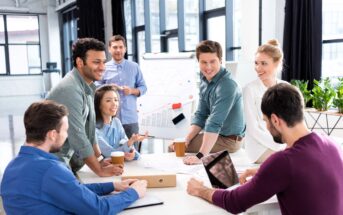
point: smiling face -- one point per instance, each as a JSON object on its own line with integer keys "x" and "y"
{"x": 93, "y": 68}
{"x": 109, "y": 104}
{"x": 209, "y": 65}
{"x": 117, "y": 50}
{"x": 265, "y": 67}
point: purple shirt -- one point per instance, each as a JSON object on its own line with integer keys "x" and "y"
{"x": 307, "y": 179}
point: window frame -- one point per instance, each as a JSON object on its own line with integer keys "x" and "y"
{"x": 6, "y": 45}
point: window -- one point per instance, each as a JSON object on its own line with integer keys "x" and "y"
{"x": 128, "y": 25}
{"x": 178, "y": 26}
{"x": 19, "y": 45}
{"x": 332, "y": 51}
{"x": 213, "y": 4}
{"x": 155, "y": 26}
{"x": 217, "y": 34}
{"x": 69, "y": 31}
{"x": 191, "y": 24}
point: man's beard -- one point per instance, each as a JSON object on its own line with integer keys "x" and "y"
{"x": 276, "y": 137}
{"x": 55, "y": 150}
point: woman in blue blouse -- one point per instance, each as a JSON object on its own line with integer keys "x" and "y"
{"x": 109, "y": 130}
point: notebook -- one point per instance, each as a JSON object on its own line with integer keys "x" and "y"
{"x": 220, "y": 170}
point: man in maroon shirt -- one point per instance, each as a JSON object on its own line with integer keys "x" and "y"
{"x": 307, "y": 176}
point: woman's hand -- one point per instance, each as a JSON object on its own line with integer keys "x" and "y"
{"x": 130, "y": 155}
{"x": 137, "y": 138}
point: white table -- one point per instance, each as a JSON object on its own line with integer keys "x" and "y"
{"x": 176, "y": 200}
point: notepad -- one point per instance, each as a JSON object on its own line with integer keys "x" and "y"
{"x": 147, "y": 200}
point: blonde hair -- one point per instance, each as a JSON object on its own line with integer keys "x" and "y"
{"x": 272, "y": 49}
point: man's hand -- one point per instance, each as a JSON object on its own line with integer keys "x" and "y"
{"x": 114, "y": 169}
{"x": 123, "y": 185}
{"x": 197, "y": 188}
{"x": 140, "y": 187}
{"x": 105, "y": 162}
{"x": 126, "y": 90}
{"x": 116, "y": 86}
{"x": 191, "y": 160}
{"x": 247, "y": 173}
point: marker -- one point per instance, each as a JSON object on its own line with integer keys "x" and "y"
{"x": 176, "y": 106}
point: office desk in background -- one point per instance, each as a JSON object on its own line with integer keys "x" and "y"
{"x": 176, "y": 199}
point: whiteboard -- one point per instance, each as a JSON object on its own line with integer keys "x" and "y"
{"x": 171, "y": 78}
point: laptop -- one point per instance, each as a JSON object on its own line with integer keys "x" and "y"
{"x": 220, "y": 170}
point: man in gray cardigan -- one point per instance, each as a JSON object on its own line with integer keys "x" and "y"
{"x": 76, "y": 91}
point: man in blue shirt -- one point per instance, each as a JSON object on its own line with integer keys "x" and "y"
{"x": 129, "y": 78}
{"x": 218, "y": 123}
{"x": 36, "y": 182}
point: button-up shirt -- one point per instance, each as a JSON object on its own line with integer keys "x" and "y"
{"x": 36, "y": 182}
{"x": 220, "y": 108}
{"x": 129, "y": 74}
{"x": 74, "y": 92}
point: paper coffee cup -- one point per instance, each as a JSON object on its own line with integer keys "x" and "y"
{"x": 117, "y": 157}
{"x": 179, "y": 147}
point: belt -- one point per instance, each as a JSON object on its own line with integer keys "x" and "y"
{"x": 234, "y": 137}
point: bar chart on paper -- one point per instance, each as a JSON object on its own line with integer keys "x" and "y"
{"x": 166, "y": 109}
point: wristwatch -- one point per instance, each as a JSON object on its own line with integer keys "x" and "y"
{"x": 101, "y": 158}
{"x": 199, "y": 155}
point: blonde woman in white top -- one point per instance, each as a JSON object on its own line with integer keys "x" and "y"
{"x": 259, "y": 143}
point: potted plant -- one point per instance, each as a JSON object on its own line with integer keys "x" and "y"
{"x": 302, "y": 86}
{"x": 338, "y": 100}
{"x": 322, "y": 94}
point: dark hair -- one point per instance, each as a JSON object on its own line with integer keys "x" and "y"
{"x": 116, "y": 38}
{"x": 285, "y": 101}
{"x": 83, "y": 45}
{"x": 209, "y": 46}
{"x": 42, "y": 117}
{"x": 99, "y": 94}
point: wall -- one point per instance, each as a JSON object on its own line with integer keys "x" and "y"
{"x": 17, "y": 92}
{"x": 272, "y": 27}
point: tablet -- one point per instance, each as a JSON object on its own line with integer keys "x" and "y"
{"x": 147, "y": 200}
{"x": 220, "y": 170}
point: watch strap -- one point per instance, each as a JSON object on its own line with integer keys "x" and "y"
{"x": 199, "y": 155}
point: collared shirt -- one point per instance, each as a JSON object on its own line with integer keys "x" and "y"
{"x": 129, "y": 74}
{"x": 112, "y": 137}
{"x": 36, "y": 182}
{"x": 220, "y": 108}
{"x": 307, "y": 179}
{"x": 74, "y": 92}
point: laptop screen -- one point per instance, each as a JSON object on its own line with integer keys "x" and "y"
{"x": 220, "y": 170}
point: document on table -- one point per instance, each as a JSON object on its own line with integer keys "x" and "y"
{"x": 176, "y": 166}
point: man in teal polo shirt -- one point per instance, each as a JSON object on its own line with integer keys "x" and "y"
{"x": 76, "y": 91}
{"x": 218, "y": 123}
